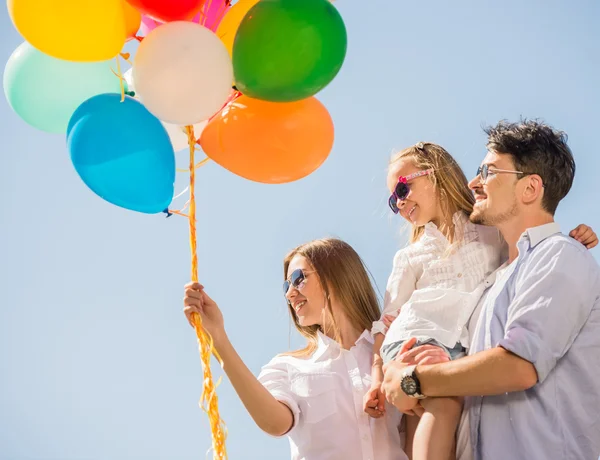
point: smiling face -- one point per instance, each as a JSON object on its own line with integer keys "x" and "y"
{"x": 496, "y": 200}
{"x": 337, "y": 299}
{"x": 308, "y": 301}
{"x": 421, "y": 205}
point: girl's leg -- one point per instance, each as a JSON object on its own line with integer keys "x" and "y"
{"x": 435, "y": 436}
{"x": 411, "y": 427}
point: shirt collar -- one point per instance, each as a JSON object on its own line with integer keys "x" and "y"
{"x": 365, "y": 337}
{"x": 325, "y": 343}
{"x": 458, "y": 219}
{"x": 538, "y": 234}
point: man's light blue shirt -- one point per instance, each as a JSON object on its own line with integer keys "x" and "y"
{"x": 545, "y": 308}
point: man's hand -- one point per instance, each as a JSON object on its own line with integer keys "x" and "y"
{"x": 407, "y": 356}
{"x": 424, "y": 354}
{"x": 392, "y": 389}
{"x": 392, "y": 379}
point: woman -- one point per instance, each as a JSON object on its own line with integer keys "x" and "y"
{"x": 315, "y": 395}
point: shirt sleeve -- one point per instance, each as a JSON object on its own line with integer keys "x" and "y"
{"x": 401, "y": 284}
{"x": 553, "y": 300}
{"x": 275, "y": 378}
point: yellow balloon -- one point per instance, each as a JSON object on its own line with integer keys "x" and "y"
{"x": 230, "y": 23}
{"x": 73, "y": 30}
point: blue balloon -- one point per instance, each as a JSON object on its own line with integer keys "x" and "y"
{"x": 123, "y": 153}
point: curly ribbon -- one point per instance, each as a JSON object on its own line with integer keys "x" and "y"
{"x": 199, "y": 164}
{"x": 121, "y": 78}
{"x": 209, "y": 401}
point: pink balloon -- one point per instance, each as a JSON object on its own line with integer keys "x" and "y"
{"x": 147, "y": 25}
{"x": 210, "y": 16}
{"x": 214, "y": 11}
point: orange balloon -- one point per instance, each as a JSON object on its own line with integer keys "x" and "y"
{"x": 270, "y": 142}
{"x": 133, "y": 19}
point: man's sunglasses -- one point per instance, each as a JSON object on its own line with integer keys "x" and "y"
{"x": 402, "y": 189}
{"x": 485, "y": 171}
{"x": 297, "y": 280}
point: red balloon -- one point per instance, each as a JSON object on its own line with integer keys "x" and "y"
{"x": 168, "y": 10}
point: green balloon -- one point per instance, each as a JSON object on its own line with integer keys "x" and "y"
{"x": 45, "y": 91}
{"x": 288, "y": 50}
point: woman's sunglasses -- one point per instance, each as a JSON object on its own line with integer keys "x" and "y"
{"x": 297, "y": 280}
{"x": 402, "y": 189}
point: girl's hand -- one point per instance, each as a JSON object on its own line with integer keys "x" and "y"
{"x": 374, "y": 401}
{"x": 585, "y": 235}
{"x": 388, "y": 320}
{"x": 196, "y": 300}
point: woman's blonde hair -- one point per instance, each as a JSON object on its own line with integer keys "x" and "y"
{"x": 343, "y": 276}
{"x": 451, "y": 185}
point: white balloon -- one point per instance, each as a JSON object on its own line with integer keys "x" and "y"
{"x": 183, "y": 73}
{"x": 178, "y": 136}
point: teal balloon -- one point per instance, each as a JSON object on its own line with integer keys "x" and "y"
{"x": 288, "y": 50}
{"x": 45, "y": 91}
{"x": 122, "y": 153}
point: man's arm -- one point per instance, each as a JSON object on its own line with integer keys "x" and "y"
{"x": 554, "y": 296}
{"x": 487, "y": 373}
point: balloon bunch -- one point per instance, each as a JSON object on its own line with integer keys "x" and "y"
{"x": 237, "y": 80}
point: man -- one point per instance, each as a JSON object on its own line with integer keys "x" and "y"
{"x": 532, "y": 380}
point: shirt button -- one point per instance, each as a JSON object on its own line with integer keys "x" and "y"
{"x": 460, "y": 275}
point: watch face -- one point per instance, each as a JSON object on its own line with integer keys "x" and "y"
{"x": 409, "y": 386}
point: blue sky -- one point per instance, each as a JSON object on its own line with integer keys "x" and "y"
{"x": 96, "y": 358}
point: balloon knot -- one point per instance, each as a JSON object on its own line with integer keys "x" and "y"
{"x": 130, "y": 93}
{"x": 168, "y": 213}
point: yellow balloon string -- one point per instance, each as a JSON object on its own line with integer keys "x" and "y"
{"x": 121, "y": 78}
{"x": 200, "y": 163}
{"x": 209, "y": 401}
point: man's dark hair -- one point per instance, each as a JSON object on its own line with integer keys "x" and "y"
{"x": 537, "y": 148}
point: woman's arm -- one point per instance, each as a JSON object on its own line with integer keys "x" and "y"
{"x": 271, "y": 415}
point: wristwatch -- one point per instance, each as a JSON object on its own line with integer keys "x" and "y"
{"x": 410, "y": 383}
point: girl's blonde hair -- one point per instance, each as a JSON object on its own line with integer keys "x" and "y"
{"x": 343, "y": 276}
{"x": 451, "y": 185}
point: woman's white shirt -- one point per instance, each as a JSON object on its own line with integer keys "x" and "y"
{"x": 325, "y": 394}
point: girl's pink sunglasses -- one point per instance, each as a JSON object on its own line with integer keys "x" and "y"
{"x": 402, "y": 189}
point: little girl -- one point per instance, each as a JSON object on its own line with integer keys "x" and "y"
{"x": 435, "y": 284}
